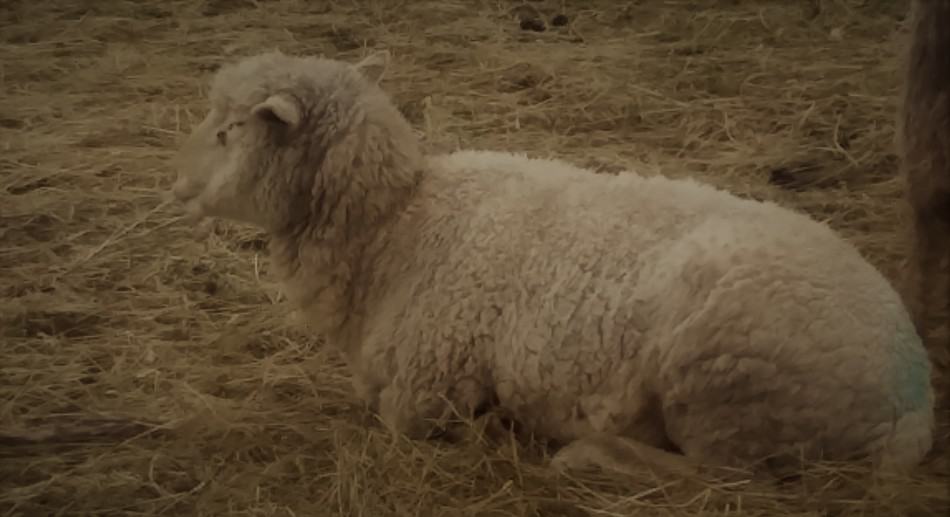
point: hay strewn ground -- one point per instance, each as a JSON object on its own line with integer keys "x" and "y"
{"x": 111, "y": 308}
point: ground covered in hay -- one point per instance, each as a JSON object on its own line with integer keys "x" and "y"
{"x": 144, "y": 371}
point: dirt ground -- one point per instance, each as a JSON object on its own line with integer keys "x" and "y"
{"x": 147, "y": 370}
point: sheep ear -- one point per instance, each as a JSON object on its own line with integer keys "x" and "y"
{"x": 280, "y": 109}
{"x": 374, "y": 65}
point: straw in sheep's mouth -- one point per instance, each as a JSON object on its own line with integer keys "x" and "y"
{"x": 189, "y": 204}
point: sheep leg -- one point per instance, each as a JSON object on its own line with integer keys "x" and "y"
{"x": 619, "y": 454}
{"x": 425, "y": 413}
{"x": 409, "y": 415}
{"x": 636, "y": 415}
{"x": 369, "y": 394}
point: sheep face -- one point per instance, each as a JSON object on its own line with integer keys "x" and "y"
{"x": 256, "y": 155}
{"x": 214, "y": 179}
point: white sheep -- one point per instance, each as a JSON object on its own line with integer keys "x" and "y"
{"x": 623, "y": 315}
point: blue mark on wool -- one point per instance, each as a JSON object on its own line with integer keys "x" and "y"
{"x": 912, "y": 370}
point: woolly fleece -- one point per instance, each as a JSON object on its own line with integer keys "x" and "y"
{"x": 590, "y": 307}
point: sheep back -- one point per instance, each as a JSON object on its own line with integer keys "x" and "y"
{"x": 583, "y": 300}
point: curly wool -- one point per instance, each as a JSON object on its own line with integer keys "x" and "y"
{"x": 662, "y": 312}
{"x": 579, "y": 299}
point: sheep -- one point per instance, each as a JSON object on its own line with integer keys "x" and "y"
{"x": 924, "y": 137}
{"x": 628, "y": 318}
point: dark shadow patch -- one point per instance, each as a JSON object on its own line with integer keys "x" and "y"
{"x": 262, "y": 347}
{"x": 220, "y": 7}
{"x": 210, "y": 284}
{"x": 529, "y": 18}
{"x": 37, "y": 228}
{"x": 24, "y": 37}
{"x": 18, "y": 190}
{"x": 69, "y": 324}
{"x": 523, "y": 76}
{"x": 689, "y": 49}
{"x": 69, "y": 430}
{"x": 803, "y": 176}
{"x": 290, "y": 390}
{"x": 11, "y": 123}
{"x": 413, "y": 110}
{"x": 153, "y": 11}
{"x": 109, "y": 171}
{"x": 258, "y": 243}
{"x": 344, "y": 39}
{"x": 442, "y": 60}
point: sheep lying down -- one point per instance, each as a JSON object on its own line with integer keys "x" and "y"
{"x": 632, "y": 318}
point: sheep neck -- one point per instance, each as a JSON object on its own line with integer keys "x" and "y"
{"x": 323, "y": 259}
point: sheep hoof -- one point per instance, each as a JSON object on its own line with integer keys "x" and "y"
{"x": 620, "y": 455}
{"x": 573, "y": 457}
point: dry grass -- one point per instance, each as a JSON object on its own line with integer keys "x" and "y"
{"x": 111, "y": 309}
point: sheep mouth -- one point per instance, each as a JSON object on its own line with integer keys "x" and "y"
{"x": 193, "y": 207}
{"x": 172, "y": 197}
{"x": 189, "y": 203}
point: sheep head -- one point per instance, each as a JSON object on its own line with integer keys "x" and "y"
{"x": 273, "y": 119}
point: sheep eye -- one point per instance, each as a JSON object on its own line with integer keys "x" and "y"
{"x": 222, "y": 137}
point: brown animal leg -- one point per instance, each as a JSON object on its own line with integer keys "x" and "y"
{"x": 924, "y": 145}
{"x": 920, "y": 268}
